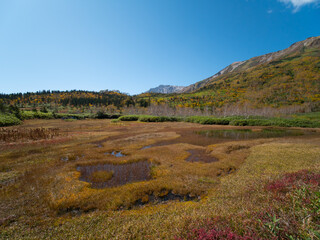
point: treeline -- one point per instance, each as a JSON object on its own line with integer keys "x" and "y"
{"x": 74, "y": 98}
{"x": 283, "y": 87}
{"x": 13, "y": 115}
{"x": 66, "y": 98}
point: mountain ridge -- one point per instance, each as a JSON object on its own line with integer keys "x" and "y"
{"x": 165, "y": 89}
{"x": 255, "y": 61}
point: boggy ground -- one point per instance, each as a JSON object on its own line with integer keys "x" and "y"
{"x": 42, "y": 195}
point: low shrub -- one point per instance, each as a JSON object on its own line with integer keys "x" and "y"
{"x": 8, "y": 120}
{"x": 115, "y": 120}
{"x": 277, "y": 122}
{"x": 233, "y": 120}
{"x": 158, "y": 119}
{"x": 129, "y": 118}
{"x": 208, "y": 120}
{"x": 42, "y": 115}
{"x": 294, "y": 181}
{"x": 102, "y": 115}
{"x": 299, "y": 194}
{"x": 251, "y": 122}
{"x": 300, "y": 123}
{"x": 73, "y": 116}
{"x": 39, "y": 115}
{"x": 215, "y": 121}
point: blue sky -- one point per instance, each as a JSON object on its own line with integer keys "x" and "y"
{"x": 133, "y": 45}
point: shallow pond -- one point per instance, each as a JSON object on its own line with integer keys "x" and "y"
{"x": 169, "y": 196}
{"x": 121, "y": 173}
{"x": 200, "y": 155}
{"x": 207, "y": 137}
{"x": 243, "y": 134}
{"x": 146, "y": 147}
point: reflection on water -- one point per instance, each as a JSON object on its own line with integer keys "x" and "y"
{"x": 122, "y": 173}
{"x": 199, "y": 155}
{"x": 116, "y": 154}
{"x": 146, "y": 147}
{"x": 168, "y": 196}
{"x": 208, "y": 137}
{"x": 239, "y": 134}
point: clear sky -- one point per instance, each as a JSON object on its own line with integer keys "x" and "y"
{"x": 133, "y": 45}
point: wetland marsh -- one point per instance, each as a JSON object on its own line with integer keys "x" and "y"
{"x": 152, "y": 176}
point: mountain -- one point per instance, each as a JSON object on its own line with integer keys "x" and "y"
{"x": 296, "y": 50}
{"x": 287, "y": 79}
{"x": 165, "y": 89}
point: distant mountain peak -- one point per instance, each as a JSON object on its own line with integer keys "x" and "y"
{"x": 165, "y": 89}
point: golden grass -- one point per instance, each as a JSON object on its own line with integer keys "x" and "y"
{"x": 41, "y": 202}
{"x": 265, "y": 162}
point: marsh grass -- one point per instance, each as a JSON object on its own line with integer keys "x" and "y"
{"x": 47, "y": 199}
{"x": 169, "y": 170}
{"x": 19, "y": 134}
{"x": 292, "y": 213}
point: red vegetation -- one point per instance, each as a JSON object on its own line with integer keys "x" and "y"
{"x": 296, "y": 197}
{"x": 219, "y": 228}
{"x": 217, "y": 234}
{"x": 291, "y": 181}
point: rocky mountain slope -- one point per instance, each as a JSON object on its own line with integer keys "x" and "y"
{"x": 165, "y": 89}
{"x": 285, "y": 79}
{"x": 295, "y": 50}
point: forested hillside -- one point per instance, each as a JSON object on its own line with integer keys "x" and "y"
{"x": 65, "y": 98}
{"x": 286, "y": 78}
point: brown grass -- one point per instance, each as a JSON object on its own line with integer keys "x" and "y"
{"x": 41, "y": 194}
{"x": 21, "y": 134}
